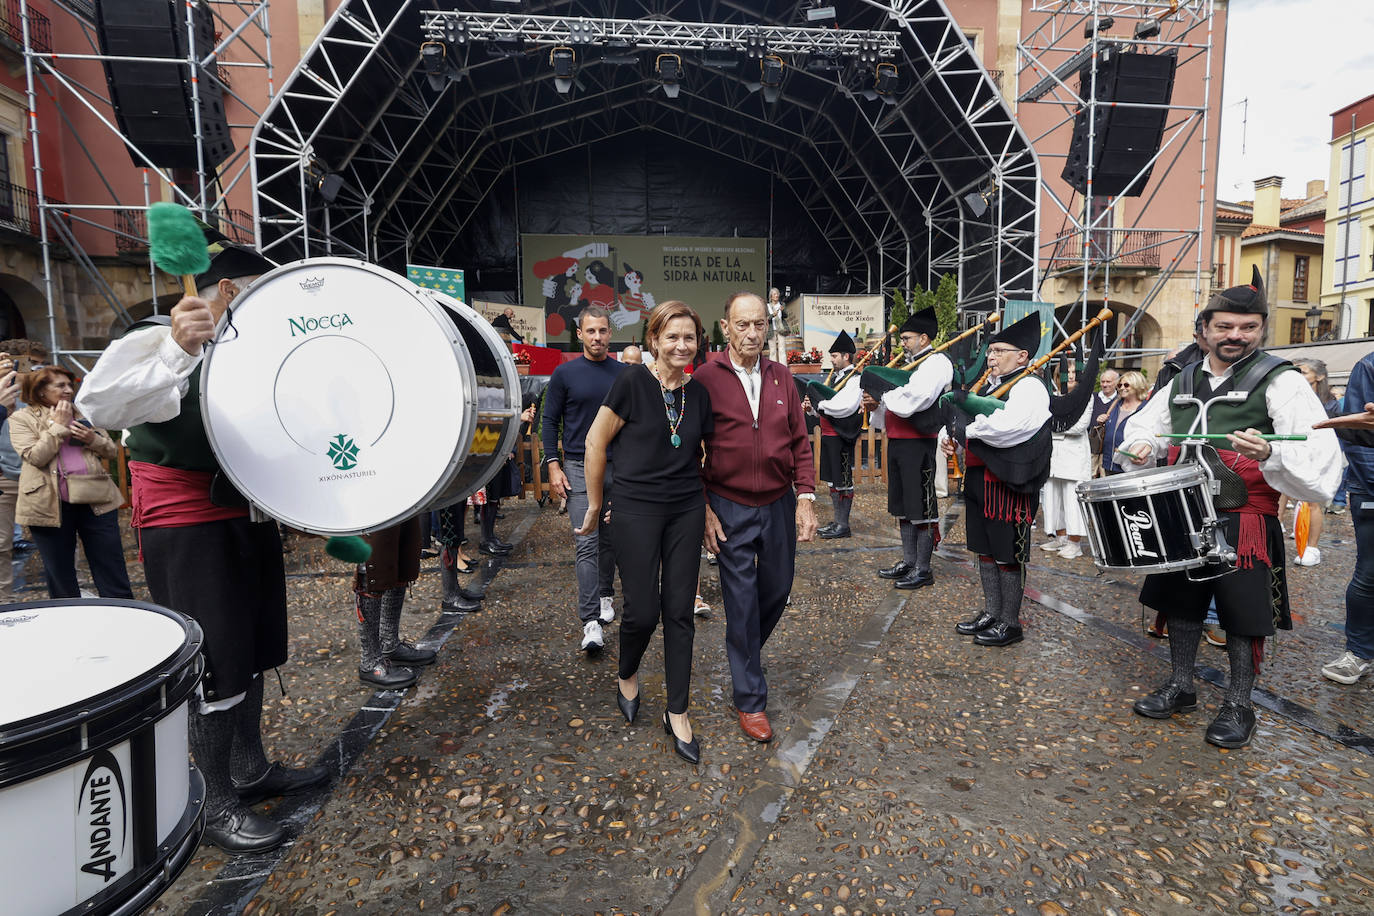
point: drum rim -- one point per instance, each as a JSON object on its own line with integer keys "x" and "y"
{"x": 460, "y": 453}
{"x": 510, "y": 437}
{"x": 1135, "y": 483}
{"x": 17, "y": 736}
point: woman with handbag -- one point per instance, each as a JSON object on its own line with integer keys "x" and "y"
{"x": 64, "y": 488}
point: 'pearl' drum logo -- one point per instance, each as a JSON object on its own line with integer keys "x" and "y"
{"x": 343, "y": 452}
{"x": 1136, "y": 523}
{"x": 102, "y": 823}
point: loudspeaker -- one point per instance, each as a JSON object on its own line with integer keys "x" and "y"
{"x": 1127, "y": 138}
{"x": 153, "y": 101}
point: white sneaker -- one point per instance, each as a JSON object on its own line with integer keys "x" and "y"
{"x": 607, "y": 609}
{"x": 1054, "y": 546}
{"x": 1310, "y": 557}
{"x": 1347, "y": 669}
{"x": 701, "y": 608}
{"x": 592, "y": 640}
{"x": 1072, "y": 551}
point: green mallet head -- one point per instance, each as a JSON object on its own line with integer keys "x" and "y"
{"x": 176, "y": 241}
{"x": 349, "y": 549}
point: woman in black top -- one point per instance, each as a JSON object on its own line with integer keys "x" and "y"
{"x": 657, "y": 420}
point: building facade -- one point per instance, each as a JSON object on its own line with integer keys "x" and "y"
{"x": 1348, "y": 291}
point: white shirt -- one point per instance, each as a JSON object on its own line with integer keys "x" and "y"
{"x": 1309, "y": 470}
{"x": 846, "y": 401}
{"x": 1028, "y": 408}
{"x": 140, "y": 378}
{"x": 751, "y": 379}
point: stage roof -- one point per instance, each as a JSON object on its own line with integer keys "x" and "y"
{"x": 888, "y": 187}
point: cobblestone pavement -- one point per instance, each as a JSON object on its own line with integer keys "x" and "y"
{"x": 912, "y": 772}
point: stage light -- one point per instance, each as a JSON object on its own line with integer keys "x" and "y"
{"x": 1147, "y": 29}
{"x": 328, "y": 187}
{"x": 434, "y": 56}
{"x": 668, "y": 69}
{"x": 720, "y": 56}
{"x": 755, "y": 45}
{"x": 770, "y": 77}
{"x": 505, "y": 47}
{"x": 563, "y": 59}
{"x": 1103, "y": 24}
{"x": 582, "y": 31}
{"x": 826, "y": 60}
{"x": 868, "y": 51}
{"x": 979, "y": 201}
{"x": 818, "y": 13}
{"x": 620, "y": 53}
{"x": 456, "y": 31}
{"x": 885, "y": 79}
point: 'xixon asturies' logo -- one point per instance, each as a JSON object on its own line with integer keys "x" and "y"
{"x": 343, "y": 452}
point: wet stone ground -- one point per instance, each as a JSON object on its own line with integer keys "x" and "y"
{"x": 913, "y": 772}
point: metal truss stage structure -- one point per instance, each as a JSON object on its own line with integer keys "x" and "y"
{"x": 381, "y": 149}
{"x": 1061, "y": 63}
{"x": 242, "y": 44}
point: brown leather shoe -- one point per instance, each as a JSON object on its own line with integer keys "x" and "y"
{"x": 755, "y": 725}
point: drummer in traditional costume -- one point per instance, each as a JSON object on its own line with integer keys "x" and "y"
{"x": 1008, "y": 456}
{"x": 905, "y": 406}
{"x": 1247, "y": 393}
{"x": 202, "y": 554}
{"x": 841, "y": 421}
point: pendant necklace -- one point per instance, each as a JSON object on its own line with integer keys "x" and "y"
{"x": 670, "y": 408}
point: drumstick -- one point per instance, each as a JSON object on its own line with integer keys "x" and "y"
{"x": 177, "y": 243}
{"x": 1267, "y": 437}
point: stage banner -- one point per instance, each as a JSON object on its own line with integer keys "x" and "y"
{"x": 528, "y": 322}
{"x": 824, "y": 317}
{"x": 629, "y": 274}
{"x": 1018, "y": 309}
{"x": 445, "y": 279}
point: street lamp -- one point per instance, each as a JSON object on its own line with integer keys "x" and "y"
{"x": 1314, "y": 316}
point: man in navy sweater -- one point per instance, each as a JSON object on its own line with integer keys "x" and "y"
{"x": 576, "y": 390}
{"x": 761, "y": 492}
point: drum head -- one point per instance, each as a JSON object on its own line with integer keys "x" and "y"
{"x": 341, "y": 405}
{"x": 62, "y": 654}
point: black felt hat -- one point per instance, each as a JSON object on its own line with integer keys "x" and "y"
{"x": 228, "y": 260}
{"x": 923, "y": 322}
{"x": 843, "y": 344}
{"x": 1023, "y": 335}
{"x": 1243, "y": 300}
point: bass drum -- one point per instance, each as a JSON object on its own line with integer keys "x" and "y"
{"x": 340, "y": 398}
{"x": 100, "y": 808}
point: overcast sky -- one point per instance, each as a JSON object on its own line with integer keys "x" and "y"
{"x": 1296, "y": 61}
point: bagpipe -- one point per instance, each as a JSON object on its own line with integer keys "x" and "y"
{"x": 821, "y": 391}
{"x": 878, "y": 380}
{"x": 849, "y": 425}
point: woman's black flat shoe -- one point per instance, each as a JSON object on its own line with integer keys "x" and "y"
{"x": 689, "y": 751}
{"x": 629, "y": 707}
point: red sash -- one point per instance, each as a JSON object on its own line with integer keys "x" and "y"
{"x": 1262, "y": 500}
{"x": 172, "y": 498}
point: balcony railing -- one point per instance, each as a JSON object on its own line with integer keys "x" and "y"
{"x": 19, "y": 209}
{"x": 12, "y": 27}
{"x": 131, "y": 228}
{"x": 1122, "y": 247}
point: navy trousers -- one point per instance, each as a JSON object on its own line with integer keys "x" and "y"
{"x": 756, "y": 564}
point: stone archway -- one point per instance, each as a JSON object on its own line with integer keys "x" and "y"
{"x": 23, "y": 310}
{"x": 1147, "y": 334}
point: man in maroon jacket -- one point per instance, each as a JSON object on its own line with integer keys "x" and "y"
{"x": 760, "y": 490}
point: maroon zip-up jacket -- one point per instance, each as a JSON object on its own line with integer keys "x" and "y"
{"x": 748, "y": 462}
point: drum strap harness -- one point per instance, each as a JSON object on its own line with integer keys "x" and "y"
{"x": 1262, "y": 500}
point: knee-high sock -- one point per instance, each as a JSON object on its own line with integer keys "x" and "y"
{"x": 248, "y": 760}
{"x": 1184, "y": 635}
{"x": 836, "y": 502}
{"x": 992, "y": 587}
{"x": 908, "y": 531}
{"x": 1013, "y": 587}
{"x": 1241, "y": 650}
{"x": 448, "y": 576}
{"x": 489, "y": 520}
{"x": 369, "y": 630}
{"x": 212, "y": 741}
{"x": 843, "y": 505}
{"x": 925, "y": 546}
{"x": 390, "y": 623}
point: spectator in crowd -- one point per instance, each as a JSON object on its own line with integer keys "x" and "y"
{"x": 1130, "y": 392}
{"x": 777, "y": 324}
{"x": 1315, "y": 372}
{"x": 632, "y": 356}
{"x": 505, "y": 322}
{"x": 659, "y": 417}
{"x": 1358, "y": 657}
{"x": 1102, "y": 402}
{"x": 575, "y": 393}
{"x": 10, "y": 465}
{"x": 1338, "y": 502}
{"x": 1070, "y": 465}
{"x": 57, "y": 446}
{"x": 761, "y": 491}
{"x": 1184, "y": 356}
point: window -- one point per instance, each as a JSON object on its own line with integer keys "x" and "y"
{"x": 1352, "y": 174}
{"x": 1300, "y": 278}
{"x": 6, "y": 187}
{"x": 1297, "y": 330}
{"x": 1347, "y": 252}
{"x": 1324, "y": 329}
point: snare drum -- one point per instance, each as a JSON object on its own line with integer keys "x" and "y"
{"x": 100, "y": 808}
{"x": 1159, "y": 519}
{"x": 345, "y": 399}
